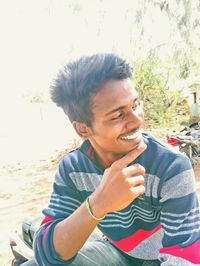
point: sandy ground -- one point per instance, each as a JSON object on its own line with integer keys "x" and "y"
{"x": 24, "y": 192}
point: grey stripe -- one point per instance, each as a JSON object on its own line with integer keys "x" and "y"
{"x": 85, "y": 181}
{"x": 178, "y": 186}
{"x": 151, "y": 185}
{"x": 149, "y": 248}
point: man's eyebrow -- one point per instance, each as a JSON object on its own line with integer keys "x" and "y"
{"x": 120, "y": 107}
{"x": 115, "y": 110}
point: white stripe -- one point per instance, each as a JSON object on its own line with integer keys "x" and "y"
{"x": 129, "y": 214}
{"x": 127, "y": 226}
{"x": 132, "y": 207}
{"x": 181, "y": 225}
{"x": 52, "y": 205}
{"x": 181, "y": 214}
{"x": 192, "y": 217}
{"x": 134, "y": 212}
{"x": 62, "y": 212}
{"x": 65, "y": 197}
{"x": 128, "y": 220}
{"x": 188, "y": 232}
{"x": 63, "y": 203}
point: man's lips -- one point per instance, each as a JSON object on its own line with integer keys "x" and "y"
{"x": 131, "y": 136}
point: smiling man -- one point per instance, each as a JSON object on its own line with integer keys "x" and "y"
{"x": 137, "y": 192}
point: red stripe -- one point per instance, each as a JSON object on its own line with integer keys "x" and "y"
{"x": 129, "y": 243}
{"x": 46, "y": 220}
{"x": 190, "y": 253}
{"x": 44, "y": 234}
{"x": 89, "y": 150}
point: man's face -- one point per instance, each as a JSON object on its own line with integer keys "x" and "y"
{"x": 117, "y": 120}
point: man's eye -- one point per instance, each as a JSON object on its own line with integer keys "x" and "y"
{"x": 117, "y": 116}
{"x": 136, "y": 105}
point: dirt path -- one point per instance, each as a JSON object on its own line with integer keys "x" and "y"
{"x": 25, "y": 190}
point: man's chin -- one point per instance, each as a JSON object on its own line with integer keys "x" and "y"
{"x": 136, "y": 142}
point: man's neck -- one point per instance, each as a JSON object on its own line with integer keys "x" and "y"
{"x": 102, "y": 159}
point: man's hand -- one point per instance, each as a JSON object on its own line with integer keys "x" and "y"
{"x": 120, "y": 185}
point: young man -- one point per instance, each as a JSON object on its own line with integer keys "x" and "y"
{"x": 139, "y": 193}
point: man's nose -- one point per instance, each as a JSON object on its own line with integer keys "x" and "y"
{"x": 135, "y": 119}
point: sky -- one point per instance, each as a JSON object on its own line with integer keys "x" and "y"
{"x": 37, "y": 38}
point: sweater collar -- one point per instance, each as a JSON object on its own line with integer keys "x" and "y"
{"x": 87, "y": 149}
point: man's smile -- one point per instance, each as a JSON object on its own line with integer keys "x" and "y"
{"x": 131, "y": 136}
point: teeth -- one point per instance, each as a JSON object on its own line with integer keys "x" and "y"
{"x": 132, "y": 136}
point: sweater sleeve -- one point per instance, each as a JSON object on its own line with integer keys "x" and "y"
{"x": 180, "y": 216}
{"x": 63, "y": 202}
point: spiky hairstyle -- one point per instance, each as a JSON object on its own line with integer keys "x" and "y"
{"x": 79, "y": 80}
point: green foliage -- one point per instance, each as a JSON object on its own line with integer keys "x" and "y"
{"x": 163, "y": 107}
{"x": 184, "y": 62}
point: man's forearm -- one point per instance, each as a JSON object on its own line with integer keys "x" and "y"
{"x": 71, "y": 234}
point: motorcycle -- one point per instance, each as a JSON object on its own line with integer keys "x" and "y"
{"x": 187, "y": 141}
{"x": 21, "y": 242}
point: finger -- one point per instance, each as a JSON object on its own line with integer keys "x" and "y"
{"x": 137, "y": 191}
{"x": 135, "y": 169}
{"x": 131, "y": 156}
{"x": 135, "y": 181}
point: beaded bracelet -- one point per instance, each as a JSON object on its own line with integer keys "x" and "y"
{"x": 87, "y": 204}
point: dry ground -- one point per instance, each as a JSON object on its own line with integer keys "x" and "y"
{"x": 24, "y": 191}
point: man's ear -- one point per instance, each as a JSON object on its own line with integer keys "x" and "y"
{"x": 81, "y": 129}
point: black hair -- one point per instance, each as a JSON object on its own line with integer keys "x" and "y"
{"x": 79, "y": 80}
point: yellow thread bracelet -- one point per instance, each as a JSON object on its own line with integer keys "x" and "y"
{"x": 87, "y": 204}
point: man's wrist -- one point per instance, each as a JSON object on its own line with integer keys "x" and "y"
{"x": 97, "y": 206}
{"x": 87, "y": 204}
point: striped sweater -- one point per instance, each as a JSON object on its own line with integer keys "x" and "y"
{"x": 163, "y": 224}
